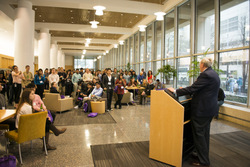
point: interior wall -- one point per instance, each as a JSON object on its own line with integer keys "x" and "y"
{"x": 6, "y": 61}
{"x": 69, "y": 62}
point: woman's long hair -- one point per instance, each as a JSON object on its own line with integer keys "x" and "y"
{"x": 150, "y": 73}
{"x": 25, "y": 98}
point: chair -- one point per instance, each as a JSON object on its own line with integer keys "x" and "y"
{"x": 5, "y": 127}
{"x": 54, "y": 102}
{"x": 31, "y": 126}
{"x": 125, "y": 98}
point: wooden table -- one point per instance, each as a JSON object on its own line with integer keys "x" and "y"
{"x": 134, "y": 88}
{"x": 6, "y": 114}
{"x": 98, "y": 106}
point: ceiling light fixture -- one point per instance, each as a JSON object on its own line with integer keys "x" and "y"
{"x": 86, "y": 44}
{"x": 115, "y": 45}
{"x": 107, "y": 51}
{"x": 94, "y": 59}
{"x": 84, "y": 51}
{"x": 82, "y": 56}
{"x": 104, "y": 53}
{"x": 142, "y": 28}
{"x": 94, "y": 24}
{"x": 121, "y": 42}
{"x": 88, "y": 40}
{"x": 159, "y": 16}
{"x": 99, "y": 10}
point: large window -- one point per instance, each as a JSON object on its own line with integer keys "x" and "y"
{"x": 169, "y": 35}
{"x": 84, "y": 63}
{"x": 131, "y": 50}
{"x": 182, "y": 69}
{"x": 234, "y": 79}
{"x": 126, "y": 52}
{"x": 158, "y": 36}
{"x": 149, "y": 42}
{"x": 204, "y": 25}
{"x": 142, "y": 39}
{"x": 136, "y": 57}
{"x": 184, "y": 18}
{"x": 234, "y": 24}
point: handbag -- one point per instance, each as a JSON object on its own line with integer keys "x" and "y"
{"x": 50, "y": 115}
{"x": 116, "y": 89}
{"x": 85, "y": 107}
{"x": 8, "y": 160}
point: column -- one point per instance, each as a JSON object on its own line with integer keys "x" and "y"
{"x": 53, "y": 55}
{"x": 24, "y": 35}
{"x": 59, "y": 58}
{"x": 44, "y": 49}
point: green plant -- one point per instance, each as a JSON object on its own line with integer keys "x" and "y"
{"x": 195, "y": 67}
{"x": 167, "y": 71}
{"x": 128, "y": 67}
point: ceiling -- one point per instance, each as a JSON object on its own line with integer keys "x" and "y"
{"x": 68, "y": 22}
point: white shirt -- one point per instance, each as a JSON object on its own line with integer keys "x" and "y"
{"x": 87, "y": 77}
{"x": 53, "y": 78}
{"x": 25, "y": 109}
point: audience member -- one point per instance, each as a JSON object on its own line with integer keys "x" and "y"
{"x": 158, "y": 84}
{"x": 87, "y": 76}
{"x": 109, "y": 85}
{"x": 147, "y": 91}
{"x": 140, "y": 78}
{"x": 120, "y": 83}
{"x": 115, "y": 74}
{"x": 53, "y": 77}
{"x": 53, "y": 88}
{"x": 75, "y": 78}
{"x": 17, "y": 77}
{"x": 126, "y": 76}
{"x": 28, "y": 76}
{"x": 39, "y": 82}
{"x": 150, "y": 75}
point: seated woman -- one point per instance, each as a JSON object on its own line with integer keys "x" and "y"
{"x": 147, "y": 90}
{"x": 53, "y": 88}
{"x": 39, "y": 106}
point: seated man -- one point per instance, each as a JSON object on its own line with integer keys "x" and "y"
{"x": 53, "y": 88}
{"x": 84, "y": 95}
{"x": 95, "y": 94}
{"x": 158, "y": 84}
{"x": 11, "y": 121}
{"x": 147, "y": 90}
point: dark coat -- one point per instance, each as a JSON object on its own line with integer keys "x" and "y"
{"x": 53, "y": 90}
{"x": 106, "y": 80}
{"x": 205, "y": 94}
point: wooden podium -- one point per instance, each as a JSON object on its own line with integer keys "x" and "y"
{"x": 167, "y": 129}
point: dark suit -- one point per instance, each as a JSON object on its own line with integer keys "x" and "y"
{"x": 203, "y": 107}
{"x": 109, "y": 85}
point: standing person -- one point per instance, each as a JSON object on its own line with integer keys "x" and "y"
{"x": 126, "y": 76}
{"x": 95, "y": 76}
{"x": 144, "y": 73}
{"x": 115, "y": 74}
{"x": 17, "y": 83}
{"x": 140, "y": 78}
{"x": 134, "y": 75}
{"x": 75, "y": 78}
{"x": 240, "y": 83}
{"x": 62, "y": 79}
{"x": 81, "y": 72}
{"x": 120, "y": 83}
{"x": 109, "y": 85}
{"x": 39, "y": 82}
{"x": 87, "y": 76}
{"x": 28, "y": 76}
{"x": 231, "y": 84}
{"x": 68, "y": 84}
{"x": 150, "y": 75}
{"x": 3, "y": 83}
{"x": 53, "y": 77}
{"x": 120, "y": 72}
{"x": 46, "y": 82}
{"x": 203, "y": 108}
{"x": 10, "y": 88}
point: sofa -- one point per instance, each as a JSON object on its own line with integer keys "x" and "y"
{"x": 54, "y": 102}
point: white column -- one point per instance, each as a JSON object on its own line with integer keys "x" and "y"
{"x": 24, "y": 35}
{"x": 63, "y": 61}
{"x": 44, "y": 49}
{"x": 53, "y": 55}
{"x": 59, "y": 58}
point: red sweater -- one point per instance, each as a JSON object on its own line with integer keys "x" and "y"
{"x": 120, "y": 86}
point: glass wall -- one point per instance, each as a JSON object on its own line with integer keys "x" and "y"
{"x": 231, "y": 55}
{"x": 234, "y": 24}
{"x": 184, "y": 18}
{"x": 149, "y": 42}
{"x": 84, "y": 63}
{"x": 169, "y": 35}
{"x": 204, "y": 26}
{"x": 158, "y": 36}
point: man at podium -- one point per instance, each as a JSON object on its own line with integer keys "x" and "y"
{"x": 204, "y": 107}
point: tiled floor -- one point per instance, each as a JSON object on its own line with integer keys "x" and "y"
{"x": 73, "y": 147}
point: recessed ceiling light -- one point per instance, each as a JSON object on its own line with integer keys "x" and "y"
{"x": 72, "y": 17}
{"x": 130, "y": 21}
{"x": 115, "y": 21}
{"x": 43, "y": 20}
{"x": 136, "y": 16}
{"x": 40, "y": 15}
{"x": 121, "y": 14}
{"x": 71, "y": 11}
{"x": 72, "y": 22}
{"x": 35, "y": 8}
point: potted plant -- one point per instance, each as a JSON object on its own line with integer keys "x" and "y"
{"x": 128, "y": 67}
{"x": 167, "y": 71}
{"x": 194, "y": 71}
